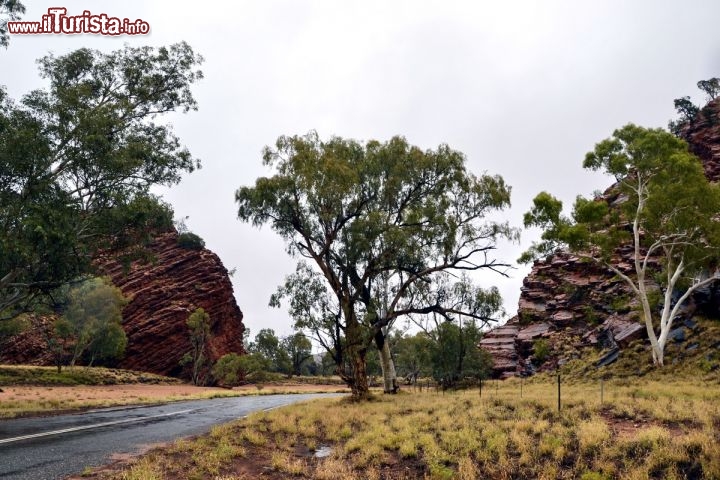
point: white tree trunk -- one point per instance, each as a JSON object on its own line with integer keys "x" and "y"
{"x": 388, "y": 368}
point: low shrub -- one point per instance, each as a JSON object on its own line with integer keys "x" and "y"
{"x": 190, "y": 241}
{"x": 541, "y": 350}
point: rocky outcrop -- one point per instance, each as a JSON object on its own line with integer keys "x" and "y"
{"x": 570, "y": 303}
{"x": 703, "y": 136}
{"x": 31, "y": 346}
{"x": 163, "y": 291}
{"x": 500, "y": 343}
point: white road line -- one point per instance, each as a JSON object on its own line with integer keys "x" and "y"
{"x": 276, "y": 406}
{"x": 88, "y": 427}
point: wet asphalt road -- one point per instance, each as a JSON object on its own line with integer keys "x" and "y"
{"x": 80, "y": 442}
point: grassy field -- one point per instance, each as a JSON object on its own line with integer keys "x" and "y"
{"x": 642, "y": 429}
{"x": 33, "y": 375}
{"x": 32, "y": 391}
{"x": 41, "y": 401}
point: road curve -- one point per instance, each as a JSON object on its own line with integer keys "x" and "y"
{"x": 55, "y": 447}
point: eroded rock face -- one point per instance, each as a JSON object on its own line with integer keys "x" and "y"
{"x": 30, "y": 347}
{"x": 570, "y": 303}
{"x": 703, "y": 136}
{"x": 500, "y": 343}
{"x": 574, "y": 303}
{"x": 163, "y": 292}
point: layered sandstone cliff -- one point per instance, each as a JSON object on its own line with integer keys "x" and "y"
{"x": 703, "y": 136}
{"x": 163, "y": 291}
{"x": 568, "y": 303}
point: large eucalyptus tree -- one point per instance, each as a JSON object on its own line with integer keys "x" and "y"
{"x": 379, "y": 224}
{"x": 78, "y": 158}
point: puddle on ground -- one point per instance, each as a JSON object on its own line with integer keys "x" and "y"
{"x": 322, "y": 451}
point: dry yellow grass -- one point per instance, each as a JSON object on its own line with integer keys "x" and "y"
{"x": 642, "y": 430}
{"x": 32, "y": 390}
{"x": 24, "y": 401}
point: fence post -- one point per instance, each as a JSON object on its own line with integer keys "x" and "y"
{"x": 481, "y": 388}
{"x": 558, "y": 381}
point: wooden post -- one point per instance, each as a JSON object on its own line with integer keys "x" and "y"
{"x": 481, "y": 388}
{"x": 558, "y": 380}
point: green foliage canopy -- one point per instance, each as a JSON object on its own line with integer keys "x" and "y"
{"x": 78, "y": 158}
{"x": 660, "y": 186}
{"x": 190, "y": 241}
{"x": 270, "y": 347}
{"x": 455, "y": 355}
{"x": 412, "y": 355}
{"x": 92, "y": 322}
{"x": 365, "y": 212}
{"x": 10, "y": 11}
{"x": 228, "y": 370}
{"x": 299, "y": 352}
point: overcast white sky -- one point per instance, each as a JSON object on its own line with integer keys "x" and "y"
{"x": 523, "y": 88}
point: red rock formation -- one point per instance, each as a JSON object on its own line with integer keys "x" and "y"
{"x": 703, "y": 136}
{"x": 163, "y": 292}
{"x": 500, "y": 343}
{"x": 574, "y": 303}
{"x": 29, "y": 347}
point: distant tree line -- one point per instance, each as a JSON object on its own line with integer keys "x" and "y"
{"x": 445, "y": 352}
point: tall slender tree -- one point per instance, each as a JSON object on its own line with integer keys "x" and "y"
{"x": 198, "y": 323}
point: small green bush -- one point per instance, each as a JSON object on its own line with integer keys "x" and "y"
{"x": 190, "y": 241}
{"x": 227, "y": 370}
{"x": 232, "y": 369}
{"x": 541, "y": 350}
{"x": 590, "y": 315}
{"x": 620, "y": 304}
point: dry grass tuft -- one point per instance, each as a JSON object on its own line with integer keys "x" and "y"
{"x": 644, "y": 429}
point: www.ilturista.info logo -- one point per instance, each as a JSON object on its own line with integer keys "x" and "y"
{"x": 58, "y": 22}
